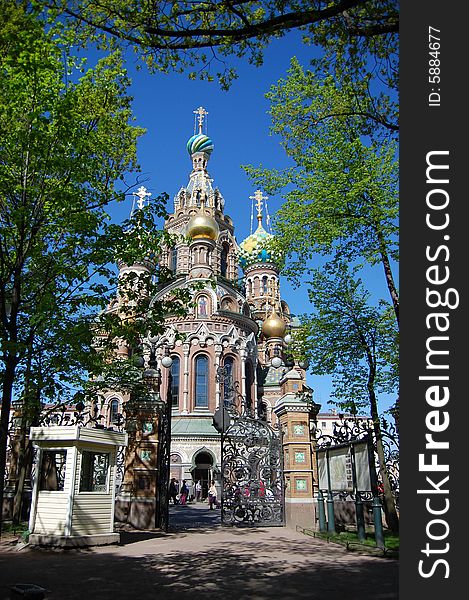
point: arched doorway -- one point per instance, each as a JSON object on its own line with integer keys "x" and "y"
{"x": 203, "y": 470}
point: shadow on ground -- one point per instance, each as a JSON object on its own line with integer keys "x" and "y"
{"x": 235, "y": 564}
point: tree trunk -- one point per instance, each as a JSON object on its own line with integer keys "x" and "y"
{"x": 24, "y": 467}
{"x": 389, "y": 505}
{"x": 8, "y": 379}
{"x": 388, "y": 275}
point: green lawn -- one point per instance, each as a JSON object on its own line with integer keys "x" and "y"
{"x": 351, "y": 541}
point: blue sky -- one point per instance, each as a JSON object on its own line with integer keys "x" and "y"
{"x": 238, "y": 124}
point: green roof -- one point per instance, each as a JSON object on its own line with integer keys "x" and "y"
{"x": 193, "y": 426}
{"x": 270, "y": 376}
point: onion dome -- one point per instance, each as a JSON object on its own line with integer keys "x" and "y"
{"x": 202, "y": 226}
{"x": 274, "y": 326}
{"x": 254, "y": 249}
{"x": 199, "y": 143}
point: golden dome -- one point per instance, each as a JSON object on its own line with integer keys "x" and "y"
{"x": 274, "y": 326}
{"x": 202, "y": 227}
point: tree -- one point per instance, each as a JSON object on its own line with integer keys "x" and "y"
{"x": 342, "y": 192}
{"x": 188, "y": 34}
{"x": 66, "y": 138}
{"x": 357, "y": 344}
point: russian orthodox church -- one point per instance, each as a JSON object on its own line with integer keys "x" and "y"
{"x": 231, "y": 346}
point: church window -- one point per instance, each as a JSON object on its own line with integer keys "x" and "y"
{"x": 264, "y": 285}
{"x": 175, "y": 369}
{"x": 224, "y": 260}
{"x": 256, "y": 286}
{"x": 201, "y": 382}
{"x": 228, "y": 387}
{"x": 249, "y": 383}
{"x": 174, "y": 260}
{"x": 113, "y": 410}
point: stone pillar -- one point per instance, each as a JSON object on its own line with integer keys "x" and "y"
{"x": 296, "y": 415}
{"x": 136, "y": 505}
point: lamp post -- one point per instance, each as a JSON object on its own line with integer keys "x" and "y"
{"x": 163, "y": 407}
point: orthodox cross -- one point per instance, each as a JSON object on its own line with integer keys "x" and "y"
{"x": 142, "y": 194}
{"x": 259, "y": 198}
{"x": 201, "y": 112}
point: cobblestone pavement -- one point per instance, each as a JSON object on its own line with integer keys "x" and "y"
{"x": 207, "y": 561}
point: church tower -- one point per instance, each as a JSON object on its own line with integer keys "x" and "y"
{"x": 229, "y": 347}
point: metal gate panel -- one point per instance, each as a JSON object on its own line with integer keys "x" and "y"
{"x": 252, "y": 474}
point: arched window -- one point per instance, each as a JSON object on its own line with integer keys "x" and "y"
{"x": 256, "y": 286}
{"x": 174, "y": 260}
{"x": 249, "y": 384}
{"x": 201, "y": 382}
{"x": 113, "y": 410}
{"x": 175, "y": 369}
{"x": 224, "y": 260}
{"x": 228, "y": 387}
{"x": 264, "y": 285}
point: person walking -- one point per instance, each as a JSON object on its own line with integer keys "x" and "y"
{"x": 212, "y": 496}
{"x": 173, "y": 490}
{"x": 184, "y": 492}
{"x": 198, "y": 491}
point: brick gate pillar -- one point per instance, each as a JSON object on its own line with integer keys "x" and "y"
{"x": 296, "y": 413}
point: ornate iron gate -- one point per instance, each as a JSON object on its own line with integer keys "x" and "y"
{"x": 252, "y": 474}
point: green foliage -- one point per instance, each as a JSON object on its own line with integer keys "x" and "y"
{"x": 200, "y": 37}
{"x": 66, "y": 140}
{"x": 341, "y": 194}
{"x": 350, "y": 339}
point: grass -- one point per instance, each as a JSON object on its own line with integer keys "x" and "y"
{"x": 391, "y": 541}
{"x": 16, "y": 528}
{"x": 350, "y": 540}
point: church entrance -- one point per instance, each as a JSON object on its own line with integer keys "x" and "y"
{"x": 203, "y": 472}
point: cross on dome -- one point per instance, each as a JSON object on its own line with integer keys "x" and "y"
{"x": 259, "y": 198}
{"x": 141, "y": 194}
{"x": 201, "y": 112}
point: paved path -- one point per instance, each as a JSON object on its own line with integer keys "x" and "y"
{"x": 193, "y": 516}
{"x": 208, "y": 562}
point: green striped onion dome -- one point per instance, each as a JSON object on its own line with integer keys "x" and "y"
{"x": 199, "y": 143}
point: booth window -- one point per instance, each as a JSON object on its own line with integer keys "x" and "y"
{"x": 94, "y": 472}
{"x": 52, "y": 476}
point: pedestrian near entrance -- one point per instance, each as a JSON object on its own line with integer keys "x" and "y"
{"x": 184, "y": 492}
{"x": 173, "y": 490}
{"x": 198, "y": 491}
{"x": 212, "y": 496}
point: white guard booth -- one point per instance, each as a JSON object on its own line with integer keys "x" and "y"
{"x": 74, "y": 486}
